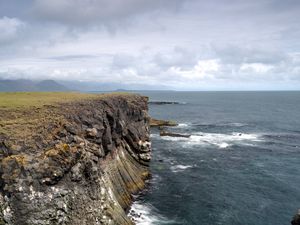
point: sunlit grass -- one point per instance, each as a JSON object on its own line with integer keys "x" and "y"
{"x": 11, "y": 100}
{"x": 22, "y": 112}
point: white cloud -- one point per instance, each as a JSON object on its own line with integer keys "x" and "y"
{"x": 204, "y": 69}
{"x": 9, "y": 28}
{"x": 256, "y": 68}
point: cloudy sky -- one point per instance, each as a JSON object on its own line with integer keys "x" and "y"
{"x": 180, "y": 44}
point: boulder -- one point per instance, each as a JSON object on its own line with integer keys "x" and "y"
{"x": 296, "y": 219}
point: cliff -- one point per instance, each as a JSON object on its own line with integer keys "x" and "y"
{"x": 73, "y": 162}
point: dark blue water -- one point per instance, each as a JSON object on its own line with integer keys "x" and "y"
{"x": 240, "y": 166}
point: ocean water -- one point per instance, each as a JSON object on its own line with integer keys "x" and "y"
{"x": 240, "y": 166}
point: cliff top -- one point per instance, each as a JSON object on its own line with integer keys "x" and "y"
{"x": 24, "y": 100}
{"x": 21, "y": 113}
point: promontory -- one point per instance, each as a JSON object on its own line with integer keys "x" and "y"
{"x": 70, "y": 158}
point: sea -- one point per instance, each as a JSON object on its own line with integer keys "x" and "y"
{"x": 240, "y": 166}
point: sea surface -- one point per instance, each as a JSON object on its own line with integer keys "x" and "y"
{"x": 240, "y": 166}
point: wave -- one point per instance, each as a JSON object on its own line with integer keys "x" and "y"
{"x": 145, "y": 214}
{"x": 285, "y": 136}
{"x": 216, "y": 139}
{"x": 179, "y": 168}
{"x": 214, "y": 125}
{"x": 205, "y": 126}
{"x": 154, "y": 136}
{"x": 183, "y": 125}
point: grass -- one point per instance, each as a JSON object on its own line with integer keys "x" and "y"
{"x": 21, "y": 113}
{"x": 18, "y": 100}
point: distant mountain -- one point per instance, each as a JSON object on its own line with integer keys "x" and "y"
{"x": 29, "y": 85}
{"x": 73, "y": 85}
{"x": 87, "y": 86}
{"x": 50, "y": 85}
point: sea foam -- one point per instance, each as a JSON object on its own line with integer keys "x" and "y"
{"x": 221, "y": 141}
{"x": 145, "y": 214}
{"x": 179, "y": 168}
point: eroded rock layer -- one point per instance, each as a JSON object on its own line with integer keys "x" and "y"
{"x": 80, "y": 166}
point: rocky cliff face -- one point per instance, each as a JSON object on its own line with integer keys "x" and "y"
{"x": 79, "y": 166}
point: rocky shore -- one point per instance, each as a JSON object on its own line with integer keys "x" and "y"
{"x": 74, "y": 163}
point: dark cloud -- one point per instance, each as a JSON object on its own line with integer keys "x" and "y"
{"x": 86, "y": 12}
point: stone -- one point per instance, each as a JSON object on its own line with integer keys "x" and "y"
{"x": 71, "y": 129}
{"x": 171, "y": 134}
{"x": 160, "y": 123}
{"x": 296, "y": 219}
{"x": 91, "y": 132}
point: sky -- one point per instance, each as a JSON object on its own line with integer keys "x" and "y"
{"x": 175, "y": 44}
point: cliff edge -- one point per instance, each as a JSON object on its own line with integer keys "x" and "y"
{"x": 73, "y": 162}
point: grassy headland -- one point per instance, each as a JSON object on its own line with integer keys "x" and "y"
{"x": 23, "y": 113}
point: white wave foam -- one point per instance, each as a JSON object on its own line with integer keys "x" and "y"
{"x": 179, "y": 168}
{"x": 182, "y": 125}
{"x": 169, "y": 138}
{"x": 154, "y": 135}
{"x": 144, "y": 214}
{"x": 223, "y": 145}
{"x": 220, "y": 140}
{"x": 238, "y": 124}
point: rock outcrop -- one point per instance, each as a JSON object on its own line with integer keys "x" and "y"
{"x": 172, "y": 134}
{"x": 163, "y": 103}
{"x": 296, "y": 219}
{"x": 162, "y": 123}
{"x": 80, "y": 166}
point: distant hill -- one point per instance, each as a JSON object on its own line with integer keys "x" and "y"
{"x": 74, "y": 85}
{"x": 50, "y": 85}
{"x": 29, "y": 85}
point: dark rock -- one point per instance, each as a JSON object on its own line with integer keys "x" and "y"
{"x": 160, "y": 123}
{"x": 171, "y": 134}
{"x": 163, "y": 103}
{"x": 296, "y": 219}
{"x": 91, "y": 132}
{"x": 71, "y": 129}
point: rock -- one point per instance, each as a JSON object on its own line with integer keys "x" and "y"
{"x": 91, "y": 132}
{"x": 159, "y": 123}
{"x": 296, "y": 219}
{"x": 71, "y": 129}
{"x": 171, "y": 134}
{"x": 145, "y": 146}
{"x": 76, "y": 172}
{"x": 78, "y": 139}
{"x": 145, "y": 157}
{"x": 163, "y": 103}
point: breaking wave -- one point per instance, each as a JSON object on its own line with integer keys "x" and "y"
{"x": 216, "y": 139}
{"x": 179, "y": 168}
{"x": 145, "y": 214}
